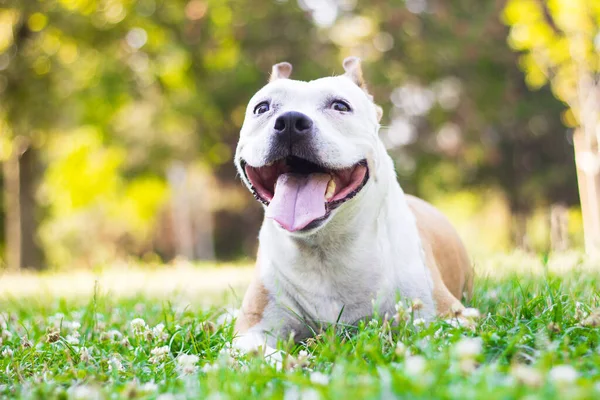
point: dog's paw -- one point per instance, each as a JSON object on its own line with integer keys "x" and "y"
{"x": 465, "y": 318}
{"x": 256, "y": 343}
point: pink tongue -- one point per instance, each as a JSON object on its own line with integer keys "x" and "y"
{"x": 298, "y": 200}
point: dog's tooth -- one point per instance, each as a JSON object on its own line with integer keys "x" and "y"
{"x": 330, "y": 190}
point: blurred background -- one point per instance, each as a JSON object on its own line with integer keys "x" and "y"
{"x": 119, "y": 118}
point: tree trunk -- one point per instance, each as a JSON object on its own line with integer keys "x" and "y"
{"x": 12, "y": 210}
{"x": 559, "y": 227}
{"x": 588, "y": 177}
{"x": 31, "y": 253}
{"x": 20, "y": 182}
{"x": 519, "y": 236}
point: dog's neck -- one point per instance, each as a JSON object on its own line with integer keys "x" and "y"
{"x": 356, "y": 232}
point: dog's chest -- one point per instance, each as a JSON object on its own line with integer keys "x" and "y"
{"x": 328, "y": 289}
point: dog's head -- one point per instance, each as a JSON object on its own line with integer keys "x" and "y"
{"x": 306, "y": 148}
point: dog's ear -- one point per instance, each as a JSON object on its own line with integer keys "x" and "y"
{"x": 354, "y": 71}
{"x": 282, "y": 70}
{"x": 379, "y": 111}
{"x": 352, "y": 66}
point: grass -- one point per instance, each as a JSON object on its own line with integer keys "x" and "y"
{"x": 535, "y": 339}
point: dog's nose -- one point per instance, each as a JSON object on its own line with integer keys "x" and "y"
{"x": 293, "y": 123}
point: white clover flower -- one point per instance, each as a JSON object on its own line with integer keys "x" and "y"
{"x": 580, "y": 313}
{"x": 77, "y": 315}
{"x": 186, "y": 363}
{"x": 460, "y": 322}
{"x": 6, "y": 335}
{"x": 304, "y": 394}
{"x": 84, "y": 354}
{"x": 452, "y": 322}
{"x": 563, "y": 374}
{"x": 440, "y": 333}
{"x": 493, "y": 295}
{"x": 373, "y": 323}
{"x": 227, "y": 317}
{"x": 301, "y": 361}
{"x": 593, "y": 320}
{"x": 471, "y": 313}
{"x": 206, "y": 368}
{"x": 159, "y": 354}
{"x": 84, "y": 392}
{"x": 4, "y": 317}
{"x": 72, "y": 339}
{"x": 149, "y": 387}
{"x": 400, "y": 349}
{"x": 26, "y": 343}
{"x": 7, "y": 352}
{"x": 71, "y": 325}
{"x": 419, "y": 322}
{"x": 417, "y": 305}
{"x": 526, "y": 375}
{"x": 166, "y": 396}
{"x": 402, "y": 314}
{"x": 125, "y": 343}
{"x": 467, "y": 365}
{"x": 56, "y": 319}
{"x": 159, "y": 332}
{"x": 148, "y": 334}
{"x": 468, "y": 348}
{"x": 115, "y": 363}
{"x": 187, "y": 359}
{"x": 319, "y": 378}
{"x": 114, "y": 335}
{"x": 138, "y": 326}
{"x": 229, "y": 353}
{"x": 415, "y": 365}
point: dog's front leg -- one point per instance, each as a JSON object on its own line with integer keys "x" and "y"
{"x": 263, "y": 321}
{"x": 254, "y": 332}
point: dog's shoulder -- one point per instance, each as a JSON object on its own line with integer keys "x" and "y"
{"x": 439, "y": 237}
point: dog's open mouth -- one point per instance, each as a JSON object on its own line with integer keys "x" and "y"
{"x": 300, "y": 194}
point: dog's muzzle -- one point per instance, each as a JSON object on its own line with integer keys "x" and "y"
{"x": 293, "y": 135}
{"x": 300, "y": 190}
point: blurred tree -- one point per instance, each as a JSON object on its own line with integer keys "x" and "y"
{"x": 102, "y": 100}
{"x": 110, "y": 94}
{"x": 559, "y": 43}
{"x": 55, "y": 78}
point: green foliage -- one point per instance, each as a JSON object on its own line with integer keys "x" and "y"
{"x": 559, "y": 42}
{"x": 85, "y": 189}
{"x": 531, "y": 325}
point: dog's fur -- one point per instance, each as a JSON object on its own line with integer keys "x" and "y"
{"x": 376, "y": 248}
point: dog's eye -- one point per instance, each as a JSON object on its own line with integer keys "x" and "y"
{"x": 341, "y": 106}
{"x": 261, "y": 108}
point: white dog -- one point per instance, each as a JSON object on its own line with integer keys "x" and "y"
{"x": 340, "y": 240}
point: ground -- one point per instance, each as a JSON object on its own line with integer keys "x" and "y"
{"x": 137, "y": 334}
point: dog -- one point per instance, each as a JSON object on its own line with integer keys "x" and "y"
{"x": 340, "y": 241}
